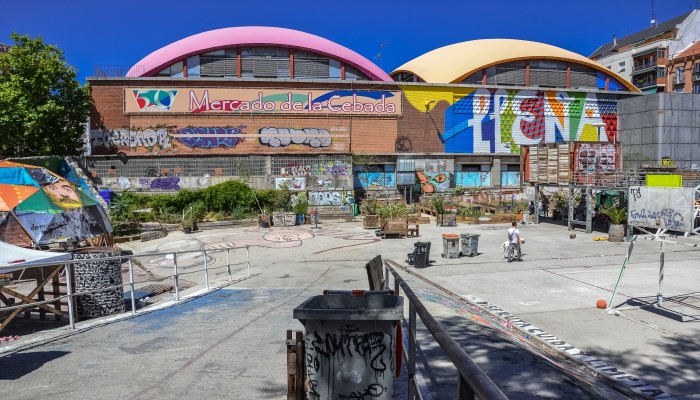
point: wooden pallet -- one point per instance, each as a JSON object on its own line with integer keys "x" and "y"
{"x": 296, "y": 373}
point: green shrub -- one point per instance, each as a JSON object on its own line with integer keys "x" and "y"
{"x": 617, "y": 215}
{"x": 469, "y": 212}
{"x": 227, "y": 195}
{"x": 198, "y": 210}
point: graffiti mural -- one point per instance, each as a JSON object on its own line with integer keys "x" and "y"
{"x": 290, "y": 183}
{"x": 376, "y": 180}
{"x": 209, "y": 138}
{"x": 331, "y": 168}
{"x": 157, "y": 183}
{"x": 510, "y": 178}
{"x": 147, "y": 138}
{"x": 331, "y": 198}
{"x": 281, "y": 137}
{"x": 437, "y": 182}
{"x": 500, "y": 120}
{"x": 473, "y": 179}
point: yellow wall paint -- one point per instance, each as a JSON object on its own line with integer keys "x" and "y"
{"x": 419, "y": 96}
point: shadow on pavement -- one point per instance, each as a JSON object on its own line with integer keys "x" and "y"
{"x": 15, "y": 366}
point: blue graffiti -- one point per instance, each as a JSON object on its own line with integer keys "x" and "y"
{"x": 166, "y": 183}
{"x": 227, "y": 139}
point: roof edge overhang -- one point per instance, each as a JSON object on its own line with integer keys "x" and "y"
{"x": 233, "y": 37}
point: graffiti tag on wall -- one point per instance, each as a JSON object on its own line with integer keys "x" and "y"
{"x": 157, "y": 183}
{"x": 126, "y": 138}
{"x": 281, "y": 137}
{"x": 290, "y": 183}
{"x": 331, "y": 168}
{"x": 209, "y": 138}
{"x": 331, "y": 198}
{"x": 662, "y": 208}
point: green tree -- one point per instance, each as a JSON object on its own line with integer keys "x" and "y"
{"x": 42, "y": 105}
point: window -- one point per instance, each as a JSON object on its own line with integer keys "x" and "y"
{"x": 311, "y": 66}
{"x": 621, "y": 67}
{"x": 696, "y": 88}
{"x": 696, "y": 68}
{"x": 660, "y": 72}
{"x": 265, "y": 62}
{"x": 219, "y": 64}
{"x": 680, "y": 71}
{"x": 661, "y": 53}
{"x": 353, "y": 74}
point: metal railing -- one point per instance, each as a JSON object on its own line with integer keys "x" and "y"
{"x": 472, "y": 381}
{"x": 177, "y": 273}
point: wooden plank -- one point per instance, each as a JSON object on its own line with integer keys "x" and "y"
{"x": 29, "y": 299}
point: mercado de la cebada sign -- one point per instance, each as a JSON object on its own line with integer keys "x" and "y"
{"x": 223, "y": 100}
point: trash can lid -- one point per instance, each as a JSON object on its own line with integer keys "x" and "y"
{"x": 450, "y": 235}
{"x": 347, "y": 307}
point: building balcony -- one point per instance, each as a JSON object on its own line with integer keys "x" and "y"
{"x": 641, "y": 84}
{"x": 696, "y": 76}
{"x": 644, "y": 66}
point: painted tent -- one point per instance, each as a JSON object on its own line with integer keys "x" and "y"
{"x": 38, "y": 207}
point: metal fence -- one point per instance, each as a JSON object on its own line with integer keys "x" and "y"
{"x": 178, "y": 272}
{"x": 472, "y": 381}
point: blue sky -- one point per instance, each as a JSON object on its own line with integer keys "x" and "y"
{"x": 122, "y": 32}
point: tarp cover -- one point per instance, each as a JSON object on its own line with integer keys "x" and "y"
{"x": 13, "y": 258}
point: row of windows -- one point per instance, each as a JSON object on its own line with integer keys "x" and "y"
{"x": 543, "y": 73}
{"x": 262, "y": 62}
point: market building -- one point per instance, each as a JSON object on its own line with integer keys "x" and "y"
{"x": 283, "y": 108}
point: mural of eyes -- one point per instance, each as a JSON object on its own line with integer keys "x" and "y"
{"x": 440, "y": 178}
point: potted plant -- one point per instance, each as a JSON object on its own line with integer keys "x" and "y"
{"x": 301, "y": 208}
{"x": 617, "y": 215}
{"x": 438, "y": 206}
{"x": 371, "y": 219}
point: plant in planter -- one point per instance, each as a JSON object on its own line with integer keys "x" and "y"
{"x": 438, "y": 206}
{"x": 617, "y": 215}
{"x": 300, "y": 208}
{"x": 371, "y": 219}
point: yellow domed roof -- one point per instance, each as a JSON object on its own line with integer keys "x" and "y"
{"x": 453, "y": 63}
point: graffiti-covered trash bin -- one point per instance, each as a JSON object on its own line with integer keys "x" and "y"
{"x": 351, "y": 344}
{"x": 470, "y": 244}
{"x": 450, "y": 245}
{"x": 95, "y": 269}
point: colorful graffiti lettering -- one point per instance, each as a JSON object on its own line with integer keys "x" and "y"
{"x": 500, "y": 120}
{"x": 433, "y": 183}
{"x": 331, "y": 168}
{"x": 331, "y": 198}
{"x": 126, "y": 138}
{"x": 281, "y": 137}
{"x": 191, "y": 137}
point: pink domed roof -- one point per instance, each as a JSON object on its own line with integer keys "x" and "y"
{"x": 252, "y": 36}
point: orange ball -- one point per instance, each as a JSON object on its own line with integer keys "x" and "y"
{"x": 601, "y": 304}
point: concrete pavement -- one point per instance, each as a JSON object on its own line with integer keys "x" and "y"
{"x": 229, "y": 344}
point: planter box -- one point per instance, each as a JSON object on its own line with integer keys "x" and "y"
{"x": 371, "y": 222}
{"x": 283, "y": 219}
{"x": 397, "y": 226}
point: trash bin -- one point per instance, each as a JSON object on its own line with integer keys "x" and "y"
{"x": 470, "y": 244}
{"x": 450, "y": 245}
{"x": 421, "y": 254}
{"x": 526, "y": 217}
{"x": 351, "y": 343}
